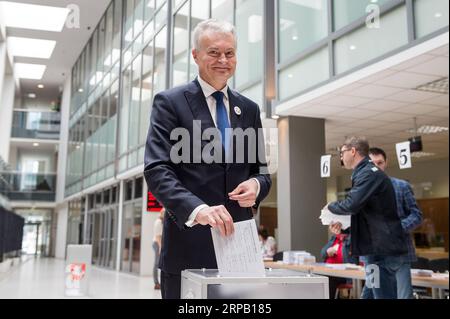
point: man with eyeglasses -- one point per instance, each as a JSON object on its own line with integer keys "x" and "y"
{"x": 376, "y": 230}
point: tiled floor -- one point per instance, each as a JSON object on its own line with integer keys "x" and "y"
{"x": 44, "y": 278}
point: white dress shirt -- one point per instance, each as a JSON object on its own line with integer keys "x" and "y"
{"x": 208, "y": 91}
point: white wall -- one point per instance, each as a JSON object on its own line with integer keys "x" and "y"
{"x": 62, "y": 213}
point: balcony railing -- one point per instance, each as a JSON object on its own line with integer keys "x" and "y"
{"x": 36, "y": 125}
{"x": 18, "y": 186}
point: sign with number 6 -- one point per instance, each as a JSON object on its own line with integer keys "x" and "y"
{"x": 325, "y": 166}
{"x": 404, "y": 155}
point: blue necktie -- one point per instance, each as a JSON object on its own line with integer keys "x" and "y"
{"x": 222, "y": 118}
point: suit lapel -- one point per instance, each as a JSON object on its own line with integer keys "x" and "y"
{"x": 197, "y": 102}
{"x": 235, "y": 102}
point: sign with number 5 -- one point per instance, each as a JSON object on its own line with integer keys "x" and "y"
{"x": 325, "y": 166}
{"x": 404, "y": 155}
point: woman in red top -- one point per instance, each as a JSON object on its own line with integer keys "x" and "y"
{"x": 337, "y": 251}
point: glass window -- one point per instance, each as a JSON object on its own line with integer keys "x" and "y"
{"x": 181, "y": 45}
{"x": 249, "y": 28}
{"x": 115, "y": 54}
{"x": 222, "y": 10}
{"x": 159, "y": 76}
{"x": 292, "y": 80}
{"x": 138, "y": 17}
{"x": 431, "y": 15}
{"x": 93, "y": 76}
{"x": 133, "y": 127}
{"x": 161, "y": 16}
{"x": 138, "y": 188}
{"x": 347, "y": 11}
{"x": 125, "y": 109}
{"x": 128, "y": 29}
{"x": 108, "y": 36}
{"x": 366, "y": 44}
{"x": 129, "y": 190}
{"x": 112, "y": 123}
{"x": 101, "y": 48}
{"x": 147, "y": 92}
{"x": 176, "y": 3}
{"x": 149, "y": 10}
{"x": 301, "y": 24}
{"x": 136, "y": 250}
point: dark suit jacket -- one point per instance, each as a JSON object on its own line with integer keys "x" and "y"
{"x": 183, "y": 187}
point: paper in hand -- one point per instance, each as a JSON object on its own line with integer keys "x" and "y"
{"x": 329, "y": 218}
{"x": 239, "y": 254}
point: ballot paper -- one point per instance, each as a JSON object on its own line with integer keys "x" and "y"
{"x": 329, "y": 218}
{"x": 239, "y": 255}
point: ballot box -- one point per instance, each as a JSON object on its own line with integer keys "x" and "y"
{"x": 277, "y": 284}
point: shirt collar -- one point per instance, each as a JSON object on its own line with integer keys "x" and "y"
{"x": 208, "y": 90}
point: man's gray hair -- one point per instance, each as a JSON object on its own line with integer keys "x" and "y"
{"x": 215, "y": 26}
{"x": 360, "y": 144}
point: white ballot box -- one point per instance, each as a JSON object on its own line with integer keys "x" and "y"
{"x": 77, "y": 270}
{"x": 277, "y": 284}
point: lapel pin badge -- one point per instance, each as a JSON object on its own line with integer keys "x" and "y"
{"x": 237, "y": 110}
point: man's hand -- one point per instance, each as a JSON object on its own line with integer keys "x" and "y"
{"x": 216, "y": 216}
{"x": 336, "y": 228}
{"x": 245, "y": 193}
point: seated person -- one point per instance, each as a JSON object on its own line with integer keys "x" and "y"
{"x": 337, "y": 251}
{"x": 268, "y": 243}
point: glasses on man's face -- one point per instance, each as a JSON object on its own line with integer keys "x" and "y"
{"x": 341, "y": 153}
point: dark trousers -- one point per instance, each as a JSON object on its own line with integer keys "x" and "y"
{"x": 170, "y": 286}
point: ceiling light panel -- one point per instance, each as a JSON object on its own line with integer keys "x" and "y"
{"x": 31, "y": 48}
{"x": 29, "y": 71}
{"x": 35, "y": 17}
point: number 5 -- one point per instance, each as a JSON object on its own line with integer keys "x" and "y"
{"x": 403, "y": 157}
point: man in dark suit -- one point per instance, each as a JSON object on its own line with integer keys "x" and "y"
{"x": 199, "y": 193}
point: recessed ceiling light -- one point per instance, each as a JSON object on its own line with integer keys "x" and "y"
{"x": 41, "y": 86}
{"x": 35, "y": 17}
{"x": 352, "y": 48}
{"x": 80, "y": 90}
{"x": 41, "y": 49}
{"x": 29, "y": 71}
{"x": 438, "y": 15}
{"x": 439, "y": 86}
{"x": 31, "y": 95}
{"x": 35, "y": 144}
{"x": 432, "y": 129}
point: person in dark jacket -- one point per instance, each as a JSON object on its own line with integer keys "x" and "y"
{"x": 376, "y": 230}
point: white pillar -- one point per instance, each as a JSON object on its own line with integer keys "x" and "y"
{"x": 7, "y": 89}
{"x": 61, "y": 231}
{"x": 301, "y": 190}
{"x": 63, "y": 141}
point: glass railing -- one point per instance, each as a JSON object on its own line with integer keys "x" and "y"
{"x": 18, "y": 186}
{"x": 36, "y": 125}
